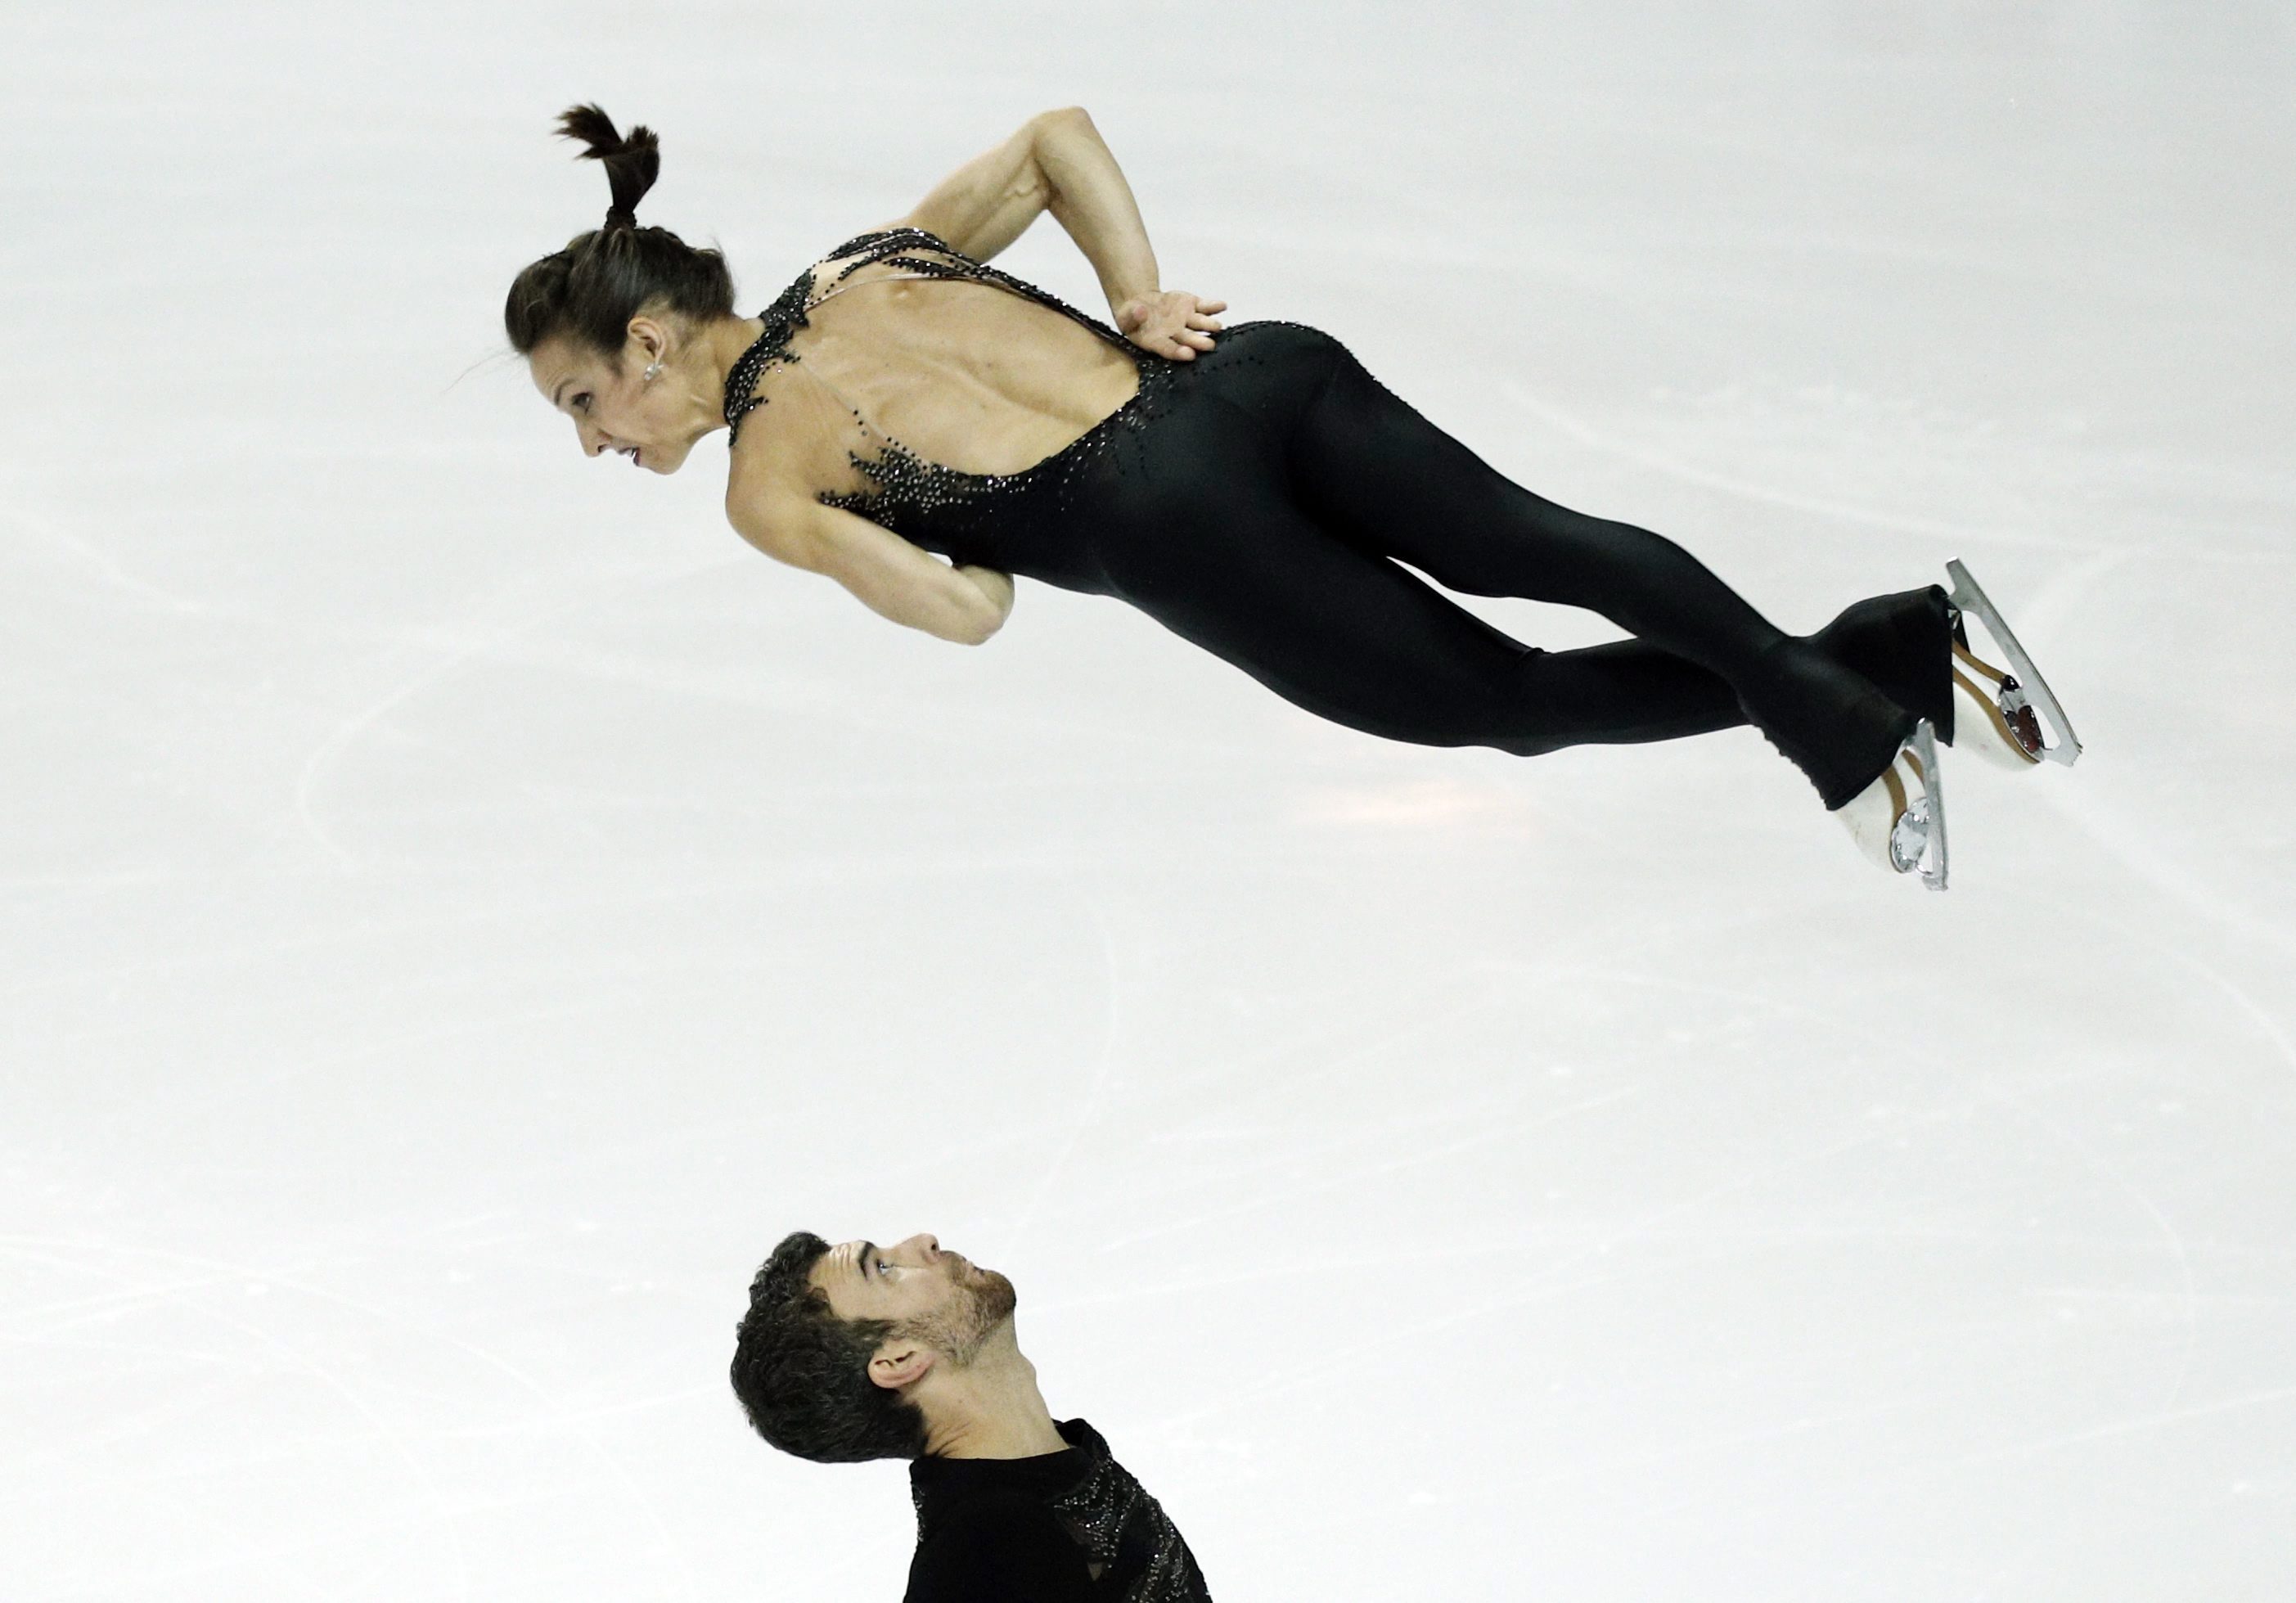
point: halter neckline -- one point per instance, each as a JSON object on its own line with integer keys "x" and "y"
{"x": 786, "y": 318}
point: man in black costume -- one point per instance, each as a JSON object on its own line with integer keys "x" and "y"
{"x": 859, "y": 1352}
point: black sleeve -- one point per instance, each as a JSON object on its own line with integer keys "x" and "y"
{"x": 999, "y": 1550}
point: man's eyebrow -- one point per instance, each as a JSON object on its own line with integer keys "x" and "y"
{"x": 861, "y": 1259}
{"x": 554, "y": 394}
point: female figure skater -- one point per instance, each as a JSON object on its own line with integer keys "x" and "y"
{"x": 1253, "y": 488}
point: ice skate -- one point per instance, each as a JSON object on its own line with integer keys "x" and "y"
{"x": 1899, "y": 820}
{"x": 2012, "y": 704}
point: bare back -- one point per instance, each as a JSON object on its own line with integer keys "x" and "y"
{"x": 925, "y": 354}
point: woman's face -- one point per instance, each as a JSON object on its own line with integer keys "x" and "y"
{"x": 653, "y": 423}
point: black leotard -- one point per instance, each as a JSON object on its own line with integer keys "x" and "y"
{"x": 1261, "y": 499}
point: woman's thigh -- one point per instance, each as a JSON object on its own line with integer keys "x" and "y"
{"x": 1344, "y": 633}
{"x": 1370, "y": 465}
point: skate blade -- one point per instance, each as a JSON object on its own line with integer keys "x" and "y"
{"x": 1932, "y": 864}
{"x": 1969, "y": 598}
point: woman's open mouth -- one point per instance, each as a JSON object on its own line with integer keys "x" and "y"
{"x": 631, "y": 451}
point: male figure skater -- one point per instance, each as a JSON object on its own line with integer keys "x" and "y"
{"x": 861, "y": 1352}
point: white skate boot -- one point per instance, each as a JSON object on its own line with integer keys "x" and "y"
{"x": 2008, "y": 705}
{"x": 1899, "y": 820}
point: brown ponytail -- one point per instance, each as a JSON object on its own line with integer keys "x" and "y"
{"x": 591, "y": 290}
{"x": 632, "y": 164}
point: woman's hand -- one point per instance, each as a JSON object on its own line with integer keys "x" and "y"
{"x": 1170, "y": 323}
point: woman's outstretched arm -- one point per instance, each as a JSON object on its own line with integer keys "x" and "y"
{"x": 1057, "y": 162}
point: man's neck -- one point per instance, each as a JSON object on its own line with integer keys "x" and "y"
{"x": 991, "y": 1409}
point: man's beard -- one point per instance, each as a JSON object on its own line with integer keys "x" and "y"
{"x": 958, "y": 1332}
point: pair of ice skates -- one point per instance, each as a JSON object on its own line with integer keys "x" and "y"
{"x": 1899, "y": 820}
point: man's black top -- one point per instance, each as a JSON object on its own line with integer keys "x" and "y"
{"x": 1061, "y": 1528}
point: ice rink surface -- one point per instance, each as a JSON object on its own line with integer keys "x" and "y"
{"x": 460, "y": 907}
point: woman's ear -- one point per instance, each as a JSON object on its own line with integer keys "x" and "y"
{"x": 649, "y": 339}
{"x": 899, "y": 1363}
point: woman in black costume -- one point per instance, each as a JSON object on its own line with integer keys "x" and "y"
{"x": 1253, "y": 488}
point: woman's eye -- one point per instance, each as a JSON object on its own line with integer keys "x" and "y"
{"x": 583, "y": 400}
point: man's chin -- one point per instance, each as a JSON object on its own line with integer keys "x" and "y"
{"x": 996, "y": 1294}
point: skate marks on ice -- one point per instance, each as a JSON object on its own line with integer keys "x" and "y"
{"x": 280, "y": 1324}
{"x": 1678, "y": 464}
{"x": 86, "y": 563}
{"x": 1842, "y": 458}
{"x": 2116, "y": 1248}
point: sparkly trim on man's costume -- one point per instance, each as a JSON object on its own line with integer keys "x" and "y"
{"x": 1137, "y": 1554}
{"x": 1127, "y": 1531}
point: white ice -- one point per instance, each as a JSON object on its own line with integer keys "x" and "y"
{"x": 460, "y": 907}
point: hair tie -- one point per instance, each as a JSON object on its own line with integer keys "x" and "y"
{"x": 619, "y": 216}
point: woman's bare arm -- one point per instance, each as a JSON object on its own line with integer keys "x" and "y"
{"x": 887, "y": 574}
{"x": 1057, "y": 162}
{"x": 989, "y": 202}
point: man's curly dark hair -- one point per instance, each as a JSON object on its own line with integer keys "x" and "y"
{"x": 802, "y": 1374}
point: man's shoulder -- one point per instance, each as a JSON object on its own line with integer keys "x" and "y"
{"x": 998, "y": 1543}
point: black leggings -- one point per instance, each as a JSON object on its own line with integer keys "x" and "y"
{"x": 1260, "y": 502}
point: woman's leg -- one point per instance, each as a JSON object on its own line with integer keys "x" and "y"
{"x": 1236, "y": 566}
{"x": 1361, "y": 641}
{"x": 1370, "y": 468}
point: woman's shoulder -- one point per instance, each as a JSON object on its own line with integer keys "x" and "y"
{"x": 787, "y": 314}
{"x": 781, "y": 421}
{"x": 792, "y": 442}
{"x": 898, "y": 245}
{"x": 888, "y": 237}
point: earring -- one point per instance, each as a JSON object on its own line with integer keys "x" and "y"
{"x": 654, "y": 372}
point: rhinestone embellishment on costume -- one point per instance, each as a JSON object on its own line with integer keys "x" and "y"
{"x": 783, "y": 319}
{"x": 1127, "y": 1531}
{"x": 1130, "y": 1541}
{"x": 900, "y": 486}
